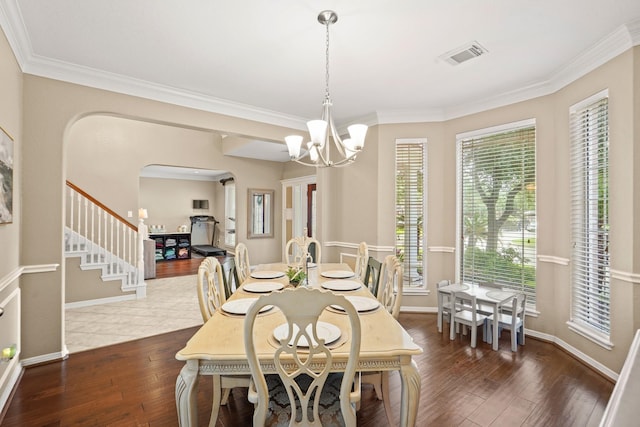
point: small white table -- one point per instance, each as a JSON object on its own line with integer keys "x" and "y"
{"x": 490, "y": 296}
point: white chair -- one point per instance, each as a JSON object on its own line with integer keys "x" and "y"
{"x": 390, "y": 296}
{"x": 372, "y": 275}
{"x": 243, "y": 267}
{"x": 446, "y": 308}
{"x": 308, "y": 385}
{"x": 211, "y": 296}
{"x": 297, "y": 249}
{"x": 362, "y": 258}
{"x": 510, "y": 321}
{"x": 467, "y": 314}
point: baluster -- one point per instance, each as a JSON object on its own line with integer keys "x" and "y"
{"x": 118, "y": 249}
{"x": 86, "y": 216}
{"x": 71, "y": 216}
{"x": 111, "y": 243}
{"x": 100, "y": 211}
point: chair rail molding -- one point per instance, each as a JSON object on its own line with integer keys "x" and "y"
{"x": 553, "y": 259}
{"x": 626, "y": 276}
{"x": 444, "y": 249}
{"x": 349, "y": 245}
{"x": 26, "y": 269}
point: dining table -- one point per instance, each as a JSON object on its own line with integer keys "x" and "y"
{"x": 217, "y": 348}
{"x": 491, "y": 296}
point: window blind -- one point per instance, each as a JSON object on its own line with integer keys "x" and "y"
{"x": 230, "y": 214}
{"x": 410, "y": 194}
{"x": 497, "y": 222}
{"x": 589, "y": 132}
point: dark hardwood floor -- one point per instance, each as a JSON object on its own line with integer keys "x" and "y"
{"x": 132, "y": 384}
{"x": 180, "y": 267}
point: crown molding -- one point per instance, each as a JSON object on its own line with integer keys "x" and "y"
{"x": 620, "y": 40}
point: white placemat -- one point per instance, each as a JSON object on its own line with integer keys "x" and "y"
{"x": 262, "y": 287}
{"x": 267, "y": 274}
{"x": 241, "y": 306}
{"x": 360, "y": 303}
{"x": 341, "y": 285}
{"x": 337, "y": 274}
{"x": 327, "y": 331}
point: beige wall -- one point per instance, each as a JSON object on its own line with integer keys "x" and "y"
{"x": 355, "y": 203}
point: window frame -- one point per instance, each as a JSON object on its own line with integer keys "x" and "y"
{"x": 420, "y": 288}
{"x": 460, "y": 244}
{"x": 587, "y": 259}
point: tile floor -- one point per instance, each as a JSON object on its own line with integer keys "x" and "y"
{"x": 171, "y": 304}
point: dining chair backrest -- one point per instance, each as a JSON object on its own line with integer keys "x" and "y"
{"x": 372, "y": 275}
{"x": 464, "y": 301}
{"x": 230, "y": 276}
{"x": 362, "y": 256}
{"x": 243, "y": 267}
{"x": 518, "y": 310}
{"x": 297, "y": 248}
{"x": 390, "y": 289}
{"x": 295, "y": 360}
{"x": 211, "y": 294}
{"x": 294, "y": 251}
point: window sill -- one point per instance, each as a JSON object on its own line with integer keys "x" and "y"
{"x": 600, "y": 339}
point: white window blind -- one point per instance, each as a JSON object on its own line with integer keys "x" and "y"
{"x": 410, "y": 196}
{"x": 590, "y": 216}
{"x": 497, "y": 222}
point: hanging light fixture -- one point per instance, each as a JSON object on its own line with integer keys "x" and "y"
{"x": 318, "y": 149}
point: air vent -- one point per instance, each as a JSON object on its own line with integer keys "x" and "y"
{"x": 464, "y": 53}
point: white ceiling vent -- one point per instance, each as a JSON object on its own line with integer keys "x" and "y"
{"x": 464, "y": 53}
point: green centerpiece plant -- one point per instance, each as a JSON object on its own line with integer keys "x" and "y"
{"x": 296, "y": 276}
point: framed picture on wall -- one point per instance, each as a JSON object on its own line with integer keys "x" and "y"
{"x": 6, "y": 177}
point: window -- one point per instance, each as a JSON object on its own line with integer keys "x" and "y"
{"x": 497, "y": 224}
{"x": 410, "y": 196}
{"x": 230, "y": 213}
{"x": 589, "y": 134}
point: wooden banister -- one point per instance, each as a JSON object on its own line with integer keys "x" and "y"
{"x": 101, "y": 205}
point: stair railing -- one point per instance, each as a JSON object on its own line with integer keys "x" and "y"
{"x": 104, "y": 236}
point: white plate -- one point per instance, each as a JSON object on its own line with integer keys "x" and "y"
{"x": 360, "y": 303}
{"x": 262, "y": 287}
{"x": 329, "y": 332}
{"x": 341, "y": 285}
{"x": 337, "y": 274}
{"x": 241, "y": 306}
{"x": 267, "y": 274}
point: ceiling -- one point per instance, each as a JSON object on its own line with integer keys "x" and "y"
{"x": 264, "y": 60}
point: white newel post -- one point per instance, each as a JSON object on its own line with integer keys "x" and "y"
{"x": 143, "y": 234}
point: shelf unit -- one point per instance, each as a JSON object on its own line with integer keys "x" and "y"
{"x": 171, "y": 246}
{"x": 10, "y": 327}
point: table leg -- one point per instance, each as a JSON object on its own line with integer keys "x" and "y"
{"x": 440, "y": 303}
{"x": 186, "y": 394}
{"x": 411, "y": 385}
{"x": 217, "y": 399}
{"x": 496, "y": 312}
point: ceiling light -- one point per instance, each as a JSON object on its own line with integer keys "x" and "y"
{"x": 319, "y": 149}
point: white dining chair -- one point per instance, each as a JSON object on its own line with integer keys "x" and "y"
{"x": 467, "y": 314}
{"x": 314, "y": 393}
{"x": 211, "y": 297}
{"x": 362, "y": 258}
{"x": 243, "y": 266}
{"x": 513, "y": 321}
{"x": 390, "y": 296}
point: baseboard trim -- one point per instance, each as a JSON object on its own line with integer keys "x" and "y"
{"x": 99, "y": 301}
{"x": 44, "y": 358}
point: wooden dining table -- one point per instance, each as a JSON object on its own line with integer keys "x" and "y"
{"x": 217, "y": 348}
{"x": 493, "y": 297}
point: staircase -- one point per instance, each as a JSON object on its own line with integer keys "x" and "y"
{"x": 103, "y": 240}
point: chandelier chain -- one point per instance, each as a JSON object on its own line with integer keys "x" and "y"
{"x": 326, "y": 90}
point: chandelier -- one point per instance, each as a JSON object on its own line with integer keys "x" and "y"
{"x": 318, "y": 149}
